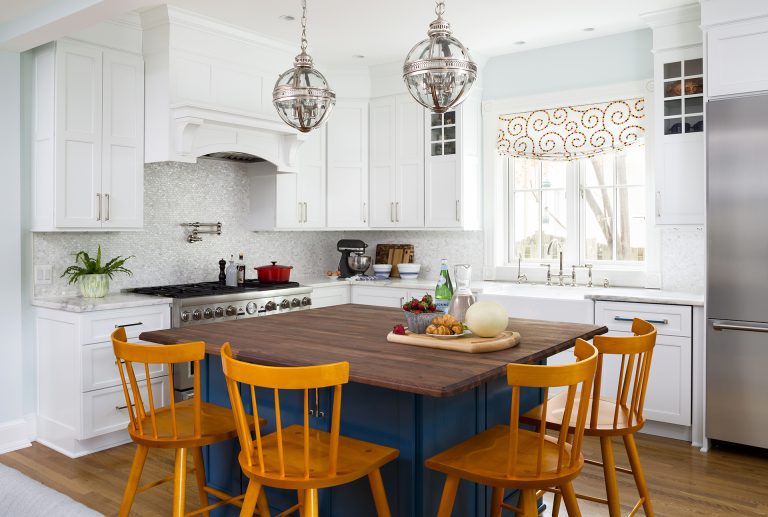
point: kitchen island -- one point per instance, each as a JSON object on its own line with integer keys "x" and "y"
{"x": 419, "y": 400}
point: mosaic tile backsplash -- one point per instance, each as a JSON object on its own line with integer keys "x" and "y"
{"x": 211, "y": 191}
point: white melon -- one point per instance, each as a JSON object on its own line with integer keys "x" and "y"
{"x": 486, "y": 319}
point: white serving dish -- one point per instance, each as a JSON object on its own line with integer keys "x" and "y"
{"x": 382, "y": 270}
{"x": 409, "y": 271}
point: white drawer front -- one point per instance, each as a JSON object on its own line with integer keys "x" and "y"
{"x": 104, "y": 410}
{"x": 100, "y": 368}
{"x": 381, "y": 296}
{"x": 99, "y": 325}
{"x": 669, "y": 320}
{"x": 329, "y": 296}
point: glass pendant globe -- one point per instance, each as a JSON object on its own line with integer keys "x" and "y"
{"x": 302, "y": 97}
{"x": 438, "y": 71}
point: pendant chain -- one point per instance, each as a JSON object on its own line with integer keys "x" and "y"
{"x": 439, "y": 8}
{"x": 303, "y": 25}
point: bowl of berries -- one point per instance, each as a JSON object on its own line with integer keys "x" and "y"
{"x": 419, "y": 313}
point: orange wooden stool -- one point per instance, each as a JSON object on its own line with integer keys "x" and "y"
{"x": 619, "y": 416}
{"x": 298, "y": 457}
{"x": 531, "y": 461}
{"x": 187, "y": 425}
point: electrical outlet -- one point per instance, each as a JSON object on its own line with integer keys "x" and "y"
{"x": 43, "y": 275}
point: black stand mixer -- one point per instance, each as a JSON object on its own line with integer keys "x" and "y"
{"x": 349, "y": 247}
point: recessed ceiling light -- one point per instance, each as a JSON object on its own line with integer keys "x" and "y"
{"x": 286, "y": 17}
{"x": 589, "y": 29}
{"x": 358, "y": 56}
{"x": 521, "y": 42}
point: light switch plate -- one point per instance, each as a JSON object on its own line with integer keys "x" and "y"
{"x": 43, "y": 275}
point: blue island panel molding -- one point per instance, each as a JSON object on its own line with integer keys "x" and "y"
{"x": 417, "y": 425}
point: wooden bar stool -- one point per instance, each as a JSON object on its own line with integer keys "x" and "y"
{"x": 184, "y": 426}
{"x": 298, "y": 457}
{"x": 621, "y": 415}
{"x": 507, "y": 457}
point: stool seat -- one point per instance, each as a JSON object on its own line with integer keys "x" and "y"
{"x": 610, "y": 421}
{"x": 356, "y": 459}
{"x": 483, "y": 459}
{"x": 217, "y": 424}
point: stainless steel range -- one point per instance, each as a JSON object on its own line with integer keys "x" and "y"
{"x": 211, "y": 302}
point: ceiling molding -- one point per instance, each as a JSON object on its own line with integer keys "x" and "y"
{"x": 673, "y": 16}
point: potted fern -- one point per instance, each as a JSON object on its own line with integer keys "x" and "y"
{"x": 92, "y": 275}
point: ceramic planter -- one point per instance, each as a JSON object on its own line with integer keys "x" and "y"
{"x": 94, "y": 286}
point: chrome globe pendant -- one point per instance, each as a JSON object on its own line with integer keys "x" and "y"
{"x": 301, "y": 95}
{"x": 438, "y": 71}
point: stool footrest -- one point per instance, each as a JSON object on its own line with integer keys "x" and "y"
{"x": 512, "y": 508}
{"x": 637, "y": 507}
{"x": 600, "y": 464}
{"x": 289, "y": 511}
{"x": 153, "y": 484}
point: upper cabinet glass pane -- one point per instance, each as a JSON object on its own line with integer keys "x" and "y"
{"x": 693, "y": 105}
{"x": 436, "y": 119}
{"x": 694, "y": 86}
{"x": 449, "y": 118}
{"x": 672, "y": 107}
{"x": 673, "y": 89}
{"x": 437, "y": 134}
{"x": 672, "y": 70}
{"x": 694, "y": 67}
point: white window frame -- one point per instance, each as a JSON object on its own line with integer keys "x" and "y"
{"x": 498, "y": 265}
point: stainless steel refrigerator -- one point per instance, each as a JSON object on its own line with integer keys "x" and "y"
{"x": 737, "y": 270}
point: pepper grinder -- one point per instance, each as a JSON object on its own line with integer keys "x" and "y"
{"x": 222, "y": 274}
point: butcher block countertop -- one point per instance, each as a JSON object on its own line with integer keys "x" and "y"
{"x": 358, "y": 334}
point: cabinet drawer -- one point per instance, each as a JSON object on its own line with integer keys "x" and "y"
{"x": 381, "y": 296}
{"x": 98, "y": 326}
{"x": 670, "y": 320}
{"x": 104, "y": 410}
{"x": 329, "y": 296}
{"x": 100, "y": 368}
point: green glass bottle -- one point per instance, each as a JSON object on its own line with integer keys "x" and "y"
{"x": 444, "y": 289}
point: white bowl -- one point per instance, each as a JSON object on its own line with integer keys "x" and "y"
{"x": 382, "y": 268}
{"x": 409, "y": 269}
{"x": 409, "y": 276}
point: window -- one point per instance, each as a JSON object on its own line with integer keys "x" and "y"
{"x": 594, "y": 207}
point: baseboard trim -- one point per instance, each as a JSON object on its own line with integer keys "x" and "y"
{"x": 14, "y": 435}
{"x": 674, "y": 431}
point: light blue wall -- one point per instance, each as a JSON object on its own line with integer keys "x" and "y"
{"x": 611, "y": 59}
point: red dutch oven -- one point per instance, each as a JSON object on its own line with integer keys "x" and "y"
{"x": 274, "y": 273}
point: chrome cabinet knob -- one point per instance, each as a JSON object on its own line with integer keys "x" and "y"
{"x": 219, "y": 312}
{"x": 251, "y": 308}
{"x": 306, "y": 301}
{"x": 270, "y": 306}
{"x": 185, "y": 315}
{"x": 285, "y": 304}
{"x": 197, "y": 315}
{"x": 231, "y": 310}
{"x": 208, "y": 313}
{"x": 295, "y": 303}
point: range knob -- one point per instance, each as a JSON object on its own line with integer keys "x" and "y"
{"x": 231, "y": 310}
{"x": 185, "y": 315}
{"x": 251, "y": 308}
{"x": 208, "y": 313}
{"x": 197, "y": 315}
{"x": 306, "y": 301}
{"x": 270, "y": 306}
{"x": 295, "y": 303}
{"x": 219, "y": 312}
{"x": 285, "y": 304}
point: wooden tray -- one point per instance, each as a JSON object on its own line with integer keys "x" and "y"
{"x": 394, "y": 254}
{"x": 468, "y": 344}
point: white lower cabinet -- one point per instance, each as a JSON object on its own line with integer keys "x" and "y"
{"x": 330, "y": 296}
{"x": 381, "y": 296}
{"x": 81, "y": 406}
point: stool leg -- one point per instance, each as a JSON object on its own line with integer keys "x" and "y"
{"x": 179, "y": 482}
{"x": 556, "y": 505}
{"x": 637, "y": 471}
{"x": 569, "y": 498}
{"x": 133, "y": 480}
{"x": 251, "y": 498}
{"x": 197, "y": 457}
{"x": 449, "y": 494}
{"x": 379, "y": 494}
{"x": 496, "y": 499}
{"x": 527, "y": 503}
{"x": 311, "y": 502}
{"x": 609, "y": 472}
{"x": 301, "y": 494}
{"x": 262, "y": 504}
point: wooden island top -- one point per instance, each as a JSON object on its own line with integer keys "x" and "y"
{"x": 358, "y": 334}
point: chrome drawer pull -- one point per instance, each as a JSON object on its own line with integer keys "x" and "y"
{"x": 659, "y": 322}
{"x": 130, "y": 325}
{"x": 120, "y": 408}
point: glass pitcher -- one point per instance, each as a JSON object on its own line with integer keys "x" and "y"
{"x": 462, "y": 297}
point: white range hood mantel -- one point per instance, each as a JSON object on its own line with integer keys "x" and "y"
{"x": 208, "y": 89}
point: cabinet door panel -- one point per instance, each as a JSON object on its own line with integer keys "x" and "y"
{"x": 382, "y": 194}
{"x": 732, "y": 66}
{"x": 311, "y": 180}
{"x": 380, "y": 296}
{"x": 409, "y": 209}
{"x": 78, "y": 135}
{"x": 442, "y": 196}
{"x": 347, "y": 197}
{"x": 123, "y": 141}
{"x": 287, "y": 210}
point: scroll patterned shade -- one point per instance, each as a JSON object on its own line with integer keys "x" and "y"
{"x": 572, "y": 132}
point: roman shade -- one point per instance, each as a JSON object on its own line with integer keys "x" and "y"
{"x": 572, "y": 132}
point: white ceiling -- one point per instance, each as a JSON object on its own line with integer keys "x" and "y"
{"x": 385, "y": 31}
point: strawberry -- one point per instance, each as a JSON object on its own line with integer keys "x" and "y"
{"x": 432, "y": 308}
{"x": 399, "y": 330}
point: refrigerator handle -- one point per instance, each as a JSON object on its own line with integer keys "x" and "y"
{"x": 718, "y": 325}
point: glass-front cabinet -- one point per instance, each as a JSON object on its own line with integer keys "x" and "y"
{"x": 683, "y": 92}
{"x": 442, "y": 133}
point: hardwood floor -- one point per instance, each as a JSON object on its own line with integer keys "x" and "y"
{"x": 682, "y": 480}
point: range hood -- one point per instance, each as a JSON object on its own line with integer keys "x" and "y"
{"x": 208, "y": 92}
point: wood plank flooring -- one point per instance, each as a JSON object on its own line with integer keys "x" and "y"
{"x": 683, "y": 481}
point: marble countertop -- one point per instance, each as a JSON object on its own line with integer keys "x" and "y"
{"x": 111, "y": 301}
{"x": 621, "y": 294}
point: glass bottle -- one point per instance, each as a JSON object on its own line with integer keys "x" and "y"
{"x": 241, "y": 271}
{"x": 444, "y": 289}
{"x": 463, "y": 296}
{"x": 231, "y": 273}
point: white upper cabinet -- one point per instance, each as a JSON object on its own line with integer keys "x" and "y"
{"x": 735, "y": 63}
{"x": 86, "y": 117}
{"x": 347, "y": 183}
{"x": 300, "y": 197}
{"x": 396, "y": 163}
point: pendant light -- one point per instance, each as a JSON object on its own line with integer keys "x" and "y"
{"x": 438, "y": 71}
{"x": 301, "y": 95}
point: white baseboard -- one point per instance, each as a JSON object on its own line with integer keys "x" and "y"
{"x": 676, "y": 432}
{"x": 14, "y": 435}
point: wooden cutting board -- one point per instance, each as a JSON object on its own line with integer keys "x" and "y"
{"x": 468, "y": 344}
{"x": 394, "y": 254}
